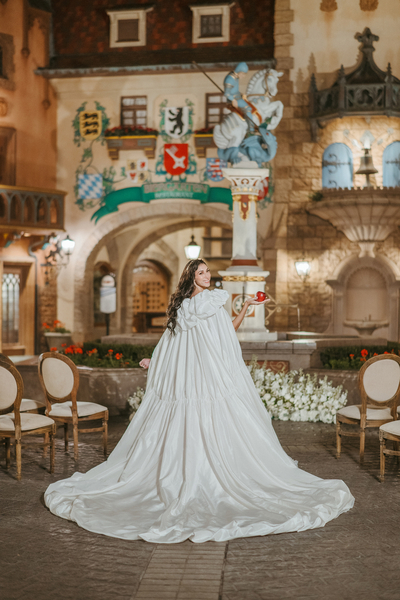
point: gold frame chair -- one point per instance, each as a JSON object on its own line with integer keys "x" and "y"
{"x": 15, "y": 425}
{"x": 61, "y": 402}
{"x": 379, "y": 399}
{"x": 28, "y": 405}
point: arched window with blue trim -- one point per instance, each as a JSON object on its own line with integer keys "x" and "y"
{"x": 391, "y": 165}
{"x": 337, "y": 167}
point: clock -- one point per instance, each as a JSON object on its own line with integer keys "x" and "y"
{"x": 237, "y": 302}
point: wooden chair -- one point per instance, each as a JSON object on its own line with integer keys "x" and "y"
{"x": 60, "y": 381}
{"x": 27, "y": 404}
{"x": 15, "y": 425}
{"x": 389, "y": 431}
{"x": 379, "y": 383}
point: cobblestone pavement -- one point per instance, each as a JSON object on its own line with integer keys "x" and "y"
{"x": 355, "y": 556}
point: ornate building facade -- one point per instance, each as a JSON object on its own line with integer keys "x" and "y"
{"x": 136, "y": 157}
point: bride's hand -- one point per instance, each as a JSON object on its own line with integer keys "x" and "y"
{"x": 256, "y": 302}
{"x": 145, "y": 363}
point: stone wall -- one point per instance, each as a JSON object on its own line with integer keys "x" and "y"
{"x": 297, "y": 172}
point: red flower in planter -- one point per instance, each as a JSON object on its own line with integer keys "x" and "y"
{"x": 110, "y": 351}
{"x": 351, "y": 356}
{"x": 54, "y": 349}
{"x": 364, "y": 353}
{"x": 118, "y": 355}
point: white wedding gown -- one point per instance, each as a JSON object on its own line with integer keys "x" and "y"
{"x": 200, "y": 460}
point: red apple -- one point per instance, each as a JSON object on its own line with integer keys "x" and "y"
{"x": 261, "y": 296}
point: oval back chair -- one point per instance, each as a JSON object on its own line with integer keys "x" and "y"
{"x": 59, "y": 378}
{"x": 13, "y": 424}
{"x": 379, "y": 385}
{"x": 27, "y": 404}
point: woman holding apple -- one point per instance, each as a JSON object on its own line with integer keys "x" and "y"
{"x": 200, "y": 460}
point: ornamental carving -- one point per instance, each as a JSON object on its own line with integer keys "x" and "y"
{"x": 328, "y": 5}
{"x": 369, "y": 5}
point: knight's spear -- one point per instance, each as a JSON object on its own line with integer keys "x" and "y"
{"x": 242, "y": 113}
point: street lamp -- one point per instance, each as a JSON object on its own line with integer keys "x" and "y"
{"x": 67, "y": 246}
{"x": 303, "y": 268}
{"x": 192, "y": 250}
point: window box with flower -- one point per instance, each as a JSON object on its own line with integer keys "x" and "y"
{"x": 131, "y": 138}
{"x": 56, "y": 335}
{"x": 203, "y": 139}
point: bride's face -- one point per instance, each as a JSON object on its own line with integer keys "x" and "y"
{"x": 202, "y": 276}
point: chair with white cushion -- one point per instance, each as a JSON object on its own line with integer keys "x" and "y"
{"x": 379, "y": 383}
{"x": 389, "y": 431}
{"x": 60, "y": 381}
{"x": 13, "y": 424}
{"x": 27, "y": 404}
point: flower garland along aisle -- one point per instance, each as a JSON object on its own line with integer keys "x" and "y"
{"x": 297, "y": 396}
{"x": 293, "y": 396}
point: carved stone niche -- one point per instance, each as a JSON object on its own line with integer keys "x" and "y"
{"x": 365, "y": 297}
{"x": 7, "y": 77}
{"x": 369, "y": 5}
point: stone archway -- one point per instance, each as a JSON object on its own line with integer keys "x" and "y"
{"x": 178, "y": 214}
{"x": 352, "y": 280}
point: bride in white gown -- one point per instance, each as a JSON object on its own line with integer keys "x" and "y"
{"x": 200, "y": 460}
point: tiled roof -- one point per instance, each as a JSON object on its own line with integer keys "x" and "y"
{"x": 81, "y": 34}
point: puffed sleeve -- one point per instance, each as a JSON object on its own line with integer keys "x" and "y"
{"x": 202, "y": 306}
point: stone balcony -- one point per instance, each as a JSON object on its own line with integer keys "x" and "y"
{"x": 34, "y": 210}
{"x": 365, "y": 216}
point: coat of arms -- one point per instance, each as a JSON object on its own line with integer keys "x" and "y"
{"x": 137, "y": 170}
{"x": 90, "y": 186}
{"x": 263, "y": 187}
{"x": 90, "y": 124}
{"x": 176, "y": 121}
{"x": 214, "y": 168}
{"x": 176, "y": 158}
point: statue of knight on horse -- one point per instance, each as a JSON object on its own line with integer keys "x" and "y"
{"x": 245, "y": 133}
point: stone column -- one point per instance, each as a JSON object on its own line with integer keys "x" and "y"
{"x": 244, "y": 277}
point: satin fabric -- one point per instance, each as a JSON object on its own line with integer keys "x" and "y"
{"x": 200, "y": 460}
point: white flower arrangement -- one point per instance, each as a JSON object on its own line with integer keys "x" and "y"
{"x": 293, "y": 396}
{"x": 297, "y": 396}
{"x": 135, "y": 401}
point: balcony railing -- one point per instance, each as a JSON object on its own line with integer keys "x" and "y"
{"x": 31, "y": 209}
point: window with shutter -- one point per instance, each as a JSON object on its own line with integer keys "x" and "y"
{"x": 391, "y": 165}
{"x": 337, "y": 166}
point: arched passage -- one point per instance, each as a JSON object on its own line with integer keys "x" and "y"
{"x": 159, "y": 219}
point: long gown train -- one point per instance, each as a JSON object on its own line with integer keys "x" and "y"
{"x": 200, "y": 460}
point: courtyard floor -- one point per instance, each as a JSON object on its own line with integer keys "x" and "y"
{"x": 356, "y": 556}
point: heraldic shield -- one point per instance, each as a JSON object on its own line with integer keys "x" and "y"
{"x": 176, "y": 121}
{"x": 176, "y": 158}
{"x": 90, "y": 124}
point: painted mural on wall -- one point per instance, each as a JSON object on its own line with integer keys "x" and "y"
{"x": 175, "y": 174}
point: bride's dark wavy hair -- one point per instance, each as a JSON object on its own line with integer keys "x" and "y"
{"x": 184, "y": 290}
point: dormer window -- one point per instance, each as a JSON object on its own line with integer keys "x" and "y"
{"x": 211, "y": 23}
{"x": 128, "y": 27}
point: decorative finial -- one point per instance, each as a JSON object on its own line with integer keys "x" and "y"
{"x": 366, "y": 38}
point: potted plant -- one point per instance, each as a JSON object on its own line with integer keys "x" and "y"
{"x": 131, "y": 138}
{"x": 203, "y": 139}
{"x": 57, "y": 336}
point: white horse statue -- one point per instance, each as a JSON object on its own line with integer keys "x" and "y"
{"x": 230, "y": 135}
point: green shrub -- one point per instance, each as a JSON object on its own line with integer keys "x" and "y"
{"x": 353, "y": 357}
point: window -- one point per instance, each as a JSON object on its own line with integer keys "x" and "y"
{"x": 10, "y": 298}
{"x": 7, "y": 155}
{"x": 216, "y": 108}
{"x": 391, "y": 165}
{"x": 211, "y": 23}
{"x": 210, "y": 26}
{"x": 128, "y": 27}
{"x": 128, "y": 30}
{"x": 337, "y": 167}
{"x": 134, "y": 111}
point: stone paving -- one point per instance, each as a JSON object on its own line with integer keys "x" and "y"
{"x": 356, "y": 556}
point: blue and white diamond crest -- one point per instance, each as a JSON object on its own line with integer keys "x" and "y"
{"x": 90, "y": 186}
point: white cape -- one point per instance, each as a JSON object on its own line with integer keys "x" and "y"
{"x": 200, "y": 460}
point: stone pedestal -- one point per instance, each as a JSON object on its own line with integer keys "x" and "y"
{"x": 244, "y": 278}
